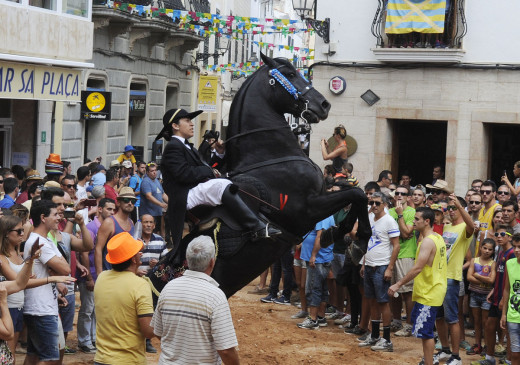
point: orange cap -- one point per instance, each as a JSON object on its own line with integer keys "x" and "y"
{"x": 122, "y": 247}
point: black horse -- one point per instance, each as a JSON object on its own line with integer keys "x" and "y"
{"x": 262, "y": 150}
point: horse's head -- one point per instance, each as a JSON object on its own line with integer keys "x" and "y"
{"x": 293, "y": 93}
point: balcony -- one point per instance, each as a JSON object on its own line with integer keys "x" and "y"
{"x": 430, "y": 39}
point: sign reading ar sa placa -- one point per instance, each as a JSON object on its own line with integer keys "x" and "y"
{"x": 27, "y": 81}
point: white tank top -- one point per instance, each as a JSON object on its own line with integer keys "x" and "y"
{"x": 15, "y": 300}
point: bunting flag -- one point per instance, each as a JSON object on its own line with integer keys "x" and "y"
{"x": 423, "y": 16}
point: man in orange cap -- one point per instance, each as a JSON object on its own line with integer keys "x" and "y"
{"x": 123, "y": 304}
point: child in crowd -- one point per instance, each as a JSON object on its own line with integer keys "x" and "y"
{"x": 481, "y": 276}
{"x": 511, "y": 308}
{"x": 347, "y": 171}
{"x": 128, "y": 155}
{"x": 504, "y": 237}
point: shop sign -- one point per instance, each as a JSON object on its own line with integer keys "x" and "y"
{"x": 208, "y": 93}
{"x": 26, "y": 81}
{"x": 96, "y": 105}
{"x": 137, "y": 103}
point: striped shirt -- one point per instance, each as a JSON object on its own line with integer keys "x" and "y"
{"x": 155, "y": 249}
{"x": 193, "y": 320}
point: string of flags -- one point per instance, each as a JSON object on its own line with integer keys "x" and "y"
{"x": 228, "y": 26}
{"x": 217, "y": 24}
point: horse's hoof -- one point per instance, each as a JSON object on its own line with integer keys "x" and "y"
{"x": 328, "y": 237}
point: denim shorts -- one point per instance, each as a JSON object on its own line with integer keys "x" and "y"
{"x": 477, "y": 300}
{"x": 423, "y": 319}
{"x": 375, "y": 284}
{"x": 514, "y": 335}
{"x": 337, "y": 263}
{"x": 67, "y": 313}
{"x": 42, "y": 337}
{"x": 300, "y": 263}
{"x": 316, "y": 290}
{"x": 450, "y": 307}
{"x": 17, "y": 317}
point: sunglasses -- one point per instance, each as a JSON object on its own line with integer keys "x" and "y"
{"x": 502, "y": 234}
{"x": 475, "y": 202}
{"x": 485, "y": 192}
{"x": 437, "y": 192}
{"x": 18, "y": 231}
{"x": 451, "y": 207}
{"x": 376, "y": 203}
{"x": 1, "y": 181}
{"x": 151, "y": 164}
{"x": 128, "y": 200}
{"x": 69, "y": 186}
{"x": 503, "y": 193}
{"x": 400, "y": 193}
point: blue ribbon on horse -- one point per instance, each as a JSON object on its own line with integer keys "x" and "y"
{"x": 282, "y": 80}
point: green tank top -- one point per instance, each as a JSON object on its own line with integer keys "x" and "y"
{"x": 513, "y": 308}
{"x": 429, "y": 287}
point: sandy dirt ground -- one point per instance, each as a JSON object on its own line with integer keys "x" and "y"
{"x": 267, "y": 335}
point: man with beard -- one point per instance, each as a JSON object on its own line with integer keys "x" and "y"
{"x": 115, "y": 224}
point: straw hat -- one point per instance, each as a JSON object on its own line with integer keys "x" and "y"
{"x": 126, "y": 192}
{"x": 33, "y": 175}
{"x": 122, "y": 247}
{"x": 440, "y": 185}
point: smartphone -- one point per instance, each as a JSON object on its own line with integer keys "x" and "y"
{"x": 69, "y": 213}
{"x": 90, "y": 202}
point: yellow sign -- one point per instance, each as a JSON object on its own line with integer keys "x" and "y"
{"x": 208, "y": 86}
{"x": 27, "y": 81}
{"x": 95, "y": 102}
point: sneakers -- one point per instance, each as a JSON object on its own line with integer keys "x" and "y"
{"x": 69, "y": 351}
{"x": 434, "y": 363}
{"x": 356, "y": 330}
{"x": 406, "y": 331}
{"x": 465, "y": 345}
{"x": 500, "y": 350}
{"x": 395, "y": 326}
{"x": 343, "y": 320}
{"x": 453, "y": 361}
{"x": 87, "y": 349}
{"x": 322, "y": 322}
{"x": 330, "y": 309}
{"x": 483, "y": 362}
{"x": 335, "y": 315}
{"x": 282, "y": 300}
{"x": 383, "y": 345}
{"x": 309, "y": 324}
{"x": 440, "y": 356}
{"x": 474, "y": 350}
{"x": 268, "y": 299}
{"x": 364, "y": 337}
{"x": 368, "y": 342}
{"x": 300, "y": 314}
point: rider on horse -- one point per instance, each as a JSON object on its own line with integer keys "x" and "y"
{"x": 189, "y": 181}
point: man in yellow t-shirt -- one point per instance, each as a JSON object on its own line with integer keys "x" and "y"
{"x": 489, "y": 204}
{"x": 457, "y": 237}
{"x": 123, "y": 304}
{"x": 429, "y": 275}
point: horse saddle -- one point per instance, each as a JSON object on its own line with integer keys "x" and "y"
{"x": 204, "y": 217}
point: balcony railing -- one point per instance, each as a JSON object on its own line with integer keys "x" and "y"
{"x": 449, "y": 42}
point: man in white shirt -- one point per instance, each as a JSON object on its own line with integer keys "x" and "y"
{"x": 41, "y": 305}
{"x": 378, "y": 265}
{"x": 192, "y": 318}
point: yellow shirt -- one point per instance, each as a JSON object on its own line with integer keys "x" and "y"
{"x": 485, "y": 223}
{"x": 429, "y": 287}
{"x": 457, "y": 245}
{"x": 122, "y": 157}
{"x": 120, "y": 298}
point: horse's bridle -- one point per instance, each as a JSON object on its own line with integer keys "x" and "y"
{"x": 277, "y": 76}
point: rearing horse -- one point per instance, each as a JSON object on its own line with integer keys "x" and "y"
{"x": 261, "y": 146}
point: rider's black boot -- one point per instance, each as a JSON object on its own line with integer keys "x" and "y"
{"x": 243, "y": 215}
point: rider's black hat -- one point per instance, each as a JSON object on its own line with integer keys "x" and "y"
{"x": 173, "y": 116}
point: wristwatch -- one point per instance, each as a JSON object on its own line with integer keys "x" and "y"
{"x": 399, "y": 216}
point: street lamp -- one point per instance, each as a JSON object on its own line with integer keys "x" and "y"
{"x": 306, "y": 8}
